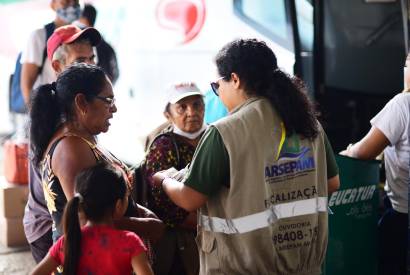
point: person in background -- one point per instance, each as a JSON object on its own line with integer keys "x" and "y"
{"x": 248, "y": 167}
{"x": 214, "y": 108}
{"x": 66, "y": 118}
{"x": 97, "y": 248}
{"x": 390, "y": 134}
{"x": 67, "y": 11}
{"x": 176, "y": 252}
{"x": 67, "y": 45}
{"x": 106, "y": 57}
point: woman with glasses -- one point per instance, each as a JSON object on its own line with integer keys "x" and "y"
{"x": 176, "y": 252}
{"x": 66, "y": 117}
{"x": 260, "y": 176}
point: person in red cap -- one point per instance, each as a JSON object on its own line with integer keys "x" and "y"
{"x": 67, "y": 45}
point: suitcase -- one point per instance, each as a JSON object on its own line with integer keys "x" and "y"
{"x": 16, "y": 162}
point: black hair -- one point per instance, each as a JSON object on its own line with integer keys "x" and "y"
{"x": 256, "y": 65}
{"x": 52, "y": 104}
{"x": 90, "y": 13}
{"x": 97, "y": 190}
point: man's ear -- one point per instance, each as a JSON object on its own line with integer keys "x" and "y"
{"x": 57, "y": 66}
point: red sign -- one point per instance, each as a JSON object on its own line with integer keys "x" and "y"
{"x": 183, "y": 16}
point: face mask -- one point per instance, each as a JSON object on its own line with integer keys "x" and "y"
{"x": 69, "y": 14}
{"x": 190, "y": 135}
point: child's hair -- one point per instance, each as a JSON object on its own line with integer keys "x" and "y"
{"x": 97, "y": 191}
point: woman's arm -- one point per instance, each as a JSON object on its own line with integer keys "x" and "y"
{"x": 46, "y": 266}
{"x": 145, "y": 212}
{"x": 182, "y": 195}
{"x": 71, "y": 156}
{"x": 140, "y": 265}
{"x": 369, "y": 147}
{"x": 149, "y": 228}
{"x": 333, "y": 184}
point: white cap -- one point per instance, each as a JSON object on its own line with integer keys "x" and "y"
{"x": 181, "y": 90}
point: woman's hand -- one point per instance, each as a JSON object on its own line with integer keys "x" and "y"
{"x": 159, "y": 177}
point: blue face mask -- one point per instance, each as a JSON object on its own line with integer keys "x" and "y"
{"x": 69, "y": 14}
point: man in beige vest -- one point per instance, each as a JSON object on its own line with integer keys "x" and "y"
{"x": 260, "y": 176}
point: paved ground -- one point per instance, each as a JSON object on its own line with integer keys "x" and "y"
{"x": 16, "y": 261}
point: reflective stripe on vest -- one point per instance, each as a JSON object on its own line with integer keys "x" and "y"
{"x": 265, "y": 218}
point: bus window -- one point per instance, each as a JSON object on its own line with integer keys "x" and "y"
{"x": 273, "y": 21}
{"x": 304, "y": 14}
{"x": 304, "y": 19}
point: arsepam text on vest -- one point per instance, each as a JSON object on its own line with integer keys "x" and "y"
{"x": 347, "y": 196}
{"x": 289, "y": 167}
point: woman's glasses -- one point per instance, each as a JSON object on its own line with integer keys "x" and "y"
{"x": 215, "y": 85}
{"x": 110, "y": 101}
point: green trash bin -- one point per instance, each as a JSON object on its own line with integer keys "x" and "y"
{"x": 352, "y": 247}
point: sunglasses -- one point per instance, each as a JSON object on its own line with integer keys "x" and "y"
{"x": 215, "y": 86}
{"x": 110, "y": 101}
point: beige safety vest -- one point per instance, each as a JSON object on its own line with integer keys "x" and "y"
{"x": 273, "y": 218}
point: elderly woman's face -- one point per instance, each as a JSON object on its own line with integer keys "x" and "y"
{"x": 100, "y": 110}
{"x": 187, "y": 114}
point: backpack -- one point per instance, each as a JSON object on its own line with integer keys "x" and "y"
{"x": 139, "y": 192}
{"x": 16, "y": 100}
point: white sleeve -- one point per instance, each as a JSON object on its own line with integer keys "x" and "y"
{"x": 391, "y": 119}
{"x": 34, "y": 51}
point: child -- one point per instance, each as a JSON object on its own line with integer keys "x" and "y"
{"x": 97, "y": 248}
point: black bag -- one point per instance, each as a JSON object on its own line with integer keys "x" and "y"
{"x": 140, "y": 185}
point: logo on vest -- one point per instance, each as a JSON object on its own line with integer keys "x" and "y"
{"x": 294, "y": 161}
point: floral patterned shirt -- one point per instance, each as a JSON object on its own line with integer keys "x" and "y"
{"x": 162, "y": 155}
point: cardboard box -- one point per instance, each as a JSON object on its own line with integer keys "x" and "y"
{"x": 12, "y": 232}
{"x": 13, "y": 199}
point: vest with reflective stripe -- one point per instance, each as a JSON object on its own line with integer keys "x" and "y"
{"x": 273, "y": 218}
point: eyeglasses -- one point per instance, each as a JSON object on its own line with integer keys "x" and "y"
{"x": 215, "y": 85}
{"x": 108, "y": 100}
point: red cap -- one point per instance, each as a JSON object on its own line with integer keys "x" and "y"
{"x": 68, "y": 34}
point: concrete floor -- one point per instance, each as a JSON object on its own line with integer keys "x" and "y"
{"x": 16, "y": 261}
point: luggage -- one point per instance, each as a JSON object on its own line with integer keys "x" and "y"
{"x": 16, "y": 162}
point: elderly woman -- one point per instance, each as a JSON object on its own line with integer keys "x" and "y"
{"x": 176, "y": 253}
{"x": 66, "y": 117}
{"x": 260, "y": 176}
